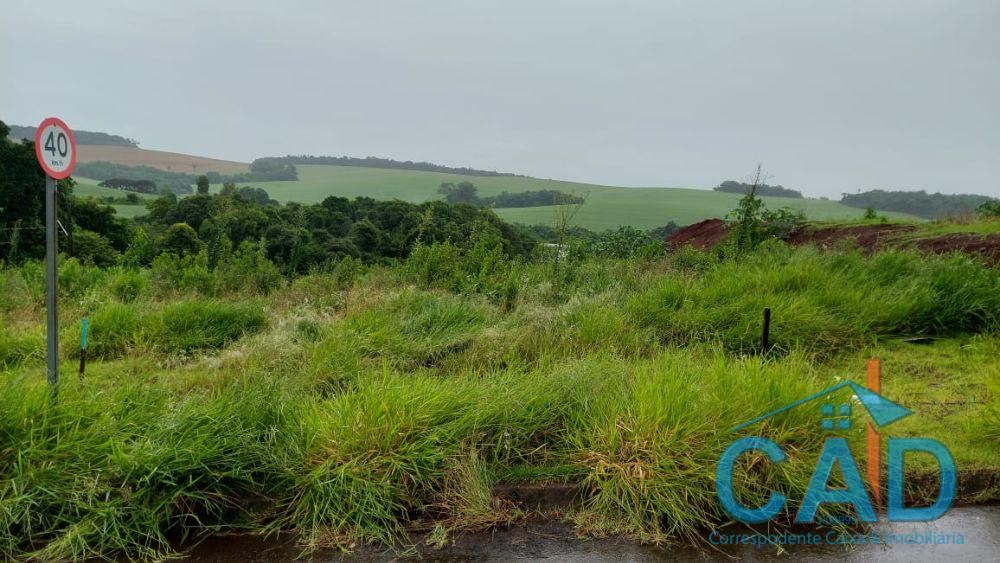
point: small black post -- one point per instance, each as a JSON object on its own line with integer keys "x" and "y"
{"x": 85, "y": 325}
{"x": 765, "y": 336}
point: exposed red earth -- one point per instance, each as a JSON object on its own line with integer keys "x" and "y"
{"x": 707, "y": 233}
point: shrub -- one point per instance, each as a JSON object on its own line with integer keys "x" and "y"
{"x": 990, "y": 209}
{"x": 435, "y": 265}
{"x": 128, "y": 284}
{"x": 249, "y": 267}
{"x": 171, "y": 273}
{"x": 93, "y": 249}
{"x": 181, "y": 239}
{"x": 625, "y": 242}
{"x": 76, "y": 279}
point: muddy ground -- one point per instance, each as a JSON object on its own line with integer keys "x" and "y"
{"x": 554, "y": 540}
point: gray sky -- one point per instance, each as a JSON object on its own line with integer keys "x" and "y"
{"x": 829, "y": 96}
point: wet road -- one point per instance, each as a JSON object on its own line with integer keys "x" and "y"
{"x": 963, "y": 534}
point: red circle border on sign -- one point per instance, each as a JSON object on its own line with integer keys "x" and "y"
{"x": 38, "y": 147}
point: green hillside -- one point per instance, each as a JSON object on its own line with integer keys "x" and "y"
{"x": 607, "y": 207}
{"x": 88, "y": 187}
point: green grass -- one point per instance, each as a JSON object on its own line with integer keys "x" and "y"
{"x": 606, "y": 208}
{"x": 86, "y": 187}
{"x": 344, "y": 409}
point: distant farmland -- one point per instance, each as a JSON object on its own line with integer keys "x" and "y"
{"x": 606, "y": 207}
{"x": 170, "y": 161}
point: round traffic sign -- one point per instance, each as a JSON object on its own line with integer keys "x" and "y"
{"x": 55, "y": 148}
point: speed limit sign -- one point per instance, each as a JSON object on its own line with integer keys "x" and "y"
{"x": 56, "y": 152}
{"x": 55, "y": 148}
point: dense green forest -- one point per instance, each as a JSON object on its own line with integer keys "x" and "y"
{"x": 136, "y": 178}
{"x": 466, "y": 192}
{"x": 376, "y": 162}
{"x": 18, "y": 132}
{"x": 743, "y": 188}
{"x": 921, "y": 203}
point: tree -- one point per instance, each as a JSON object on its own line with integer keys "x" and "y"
{"x": 92, "y": 248}
{"x": 990, "y": 209}
{"x": 181, "y": 240}
{"x": 463, "y": 192}
{"x": 202, "y": 183}
{"x": 22, "y": 199}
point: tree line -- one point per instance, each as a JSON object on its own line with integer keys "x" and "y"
{"x": 466, "y": 192}
{"x": 919, "y": 203}
{"x": 388, "y": 163}
{"x": 138, "y": 178}
{"x": 19, "y": 132}
{"x": 743, "y": 188}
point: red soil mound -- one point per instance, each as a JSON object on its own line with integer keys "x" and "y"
{"x": 700, "y": 235}
{"x": 865, "y": 236}
{"x": 706, "y": 234}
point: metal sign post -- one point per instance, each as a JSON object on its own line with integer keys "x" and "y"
{"x": 51, "y": 256}
{"x": 56, "y": 152}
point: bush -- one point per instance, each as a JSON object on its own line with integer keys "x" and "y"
{"x": 128, "y": 284}
{"x": 249, "y": 268}
{"x": 172, "y": 273}
{"x": 435, "y": 265}
{"x": 94, "y": 249}
{"x": 142, "y": 251}
{"x": 990, "y": 209}
{"x": 181, "y": 239}
{"x": 76, "y": 279}
{"x": 625, "y": 242}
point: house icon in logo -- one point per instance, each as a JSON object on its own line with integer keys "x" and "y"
{"x": 882, "y": 411}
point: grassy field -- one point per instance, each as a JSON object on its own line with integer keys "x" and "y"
{"x": 606, "y": 207}
{"x": 86, "y": 187}
{"x": 347, "y": 404}
{"x": 171, "y": 161}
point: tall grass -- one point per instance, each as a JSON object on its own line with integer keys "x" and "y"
{"x": 823, "y": 301}
{"x": 346, "y": 405}
{"x": 125, "y": 468}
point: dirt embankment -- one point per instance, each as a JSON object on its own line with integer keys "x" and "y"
{"x": 707, "y": 233}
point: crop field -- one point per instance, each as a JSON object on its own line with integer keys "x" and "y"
{"x": 357, "y": 402}
{"x": 171, "y": 161}
{"x": 606, "y": 207}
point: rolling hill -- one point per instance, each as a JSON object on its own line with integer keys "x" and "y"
{"x": 170, "y": 161}
{"x": 606, "y": 206}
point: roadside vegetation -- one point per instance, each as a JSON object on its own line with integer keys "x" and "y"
{"x": 347, "y": 403}
{"x": 350, "y": 370}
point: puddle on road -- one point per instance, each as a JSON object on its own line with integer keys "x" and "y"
{"x": 979, "y": 527}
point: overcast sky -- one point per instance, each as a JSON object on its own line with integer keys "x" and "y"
{"x": 831, "y": 96}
